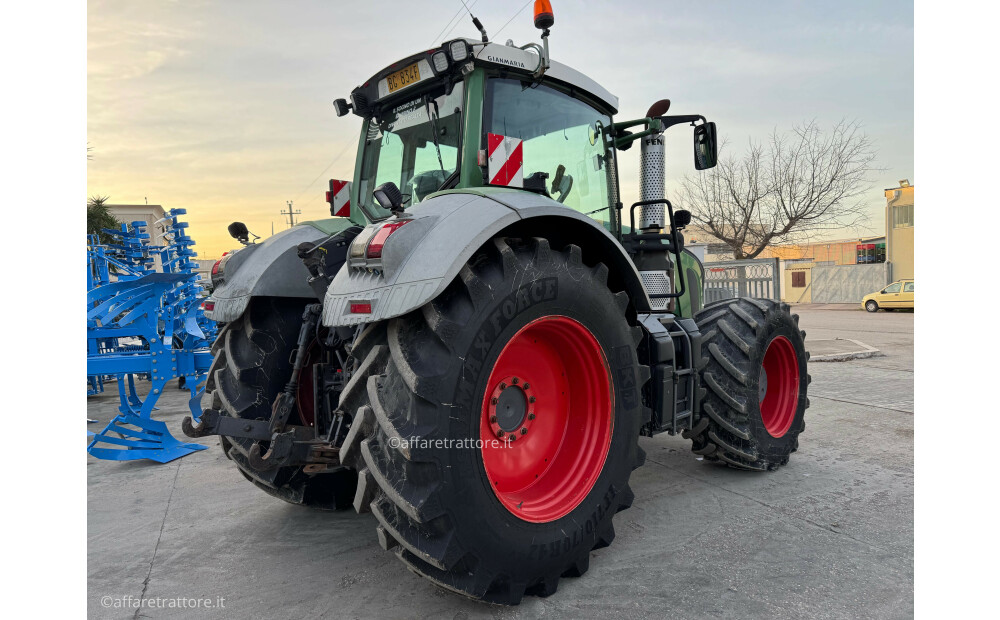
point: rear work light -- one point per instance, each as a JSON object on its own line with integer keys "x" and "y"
{"x": 375, "y": 246}
{"x": 459, "y": 50}
{"x": 440, "y": 62}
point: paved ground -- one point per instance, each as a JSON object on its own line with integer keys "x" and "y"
{"x": 828, "y": 536}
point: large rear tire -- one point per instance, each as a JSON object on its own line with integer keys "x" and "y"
{"x": 523, "y": 330}
{"x": 755, "y": 381}
{"x": 252, "y": 364}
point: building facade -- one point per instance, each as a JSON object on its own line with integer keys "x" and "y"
{"x": 899, "y": 230}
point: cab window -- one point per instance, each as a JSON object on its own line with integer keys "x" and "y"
{"x": 557, "y": 131}
{"x": 415, "y": 145}
{"x": 892, "y": 288}
{"x": 908, "y": 287}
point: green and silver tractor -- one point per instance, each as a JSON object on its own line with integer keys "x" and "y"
{"x": 472, "y": 347}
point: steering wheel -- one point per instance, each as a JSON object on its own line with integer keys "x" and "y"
{"x": 562, "y": 184}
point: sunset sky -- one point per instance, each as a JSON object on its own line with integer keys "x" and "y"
{"x": 224, "y": 108}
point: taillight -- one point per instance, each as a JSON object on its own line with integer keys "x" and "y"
{"x": 361, "y": 307}
{"x": 208, "y": 306}
{"x": 378, "y": 241}
{"x": 217, "y": 267}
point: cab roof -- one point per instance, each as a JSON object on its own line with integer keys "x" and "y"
{"x": 491, "y": 55}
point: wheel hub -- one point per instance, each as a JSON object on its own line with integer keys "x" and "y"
{"x": 511, "y": 406}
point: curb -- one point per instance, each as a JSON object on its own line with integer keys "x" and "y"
{"x": 864, "y": 351}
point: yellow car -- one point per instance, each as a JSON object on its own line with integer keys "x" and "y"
{"x": 899, "y": 294}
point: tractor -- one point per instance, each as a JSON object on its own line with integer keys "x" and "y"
{"x": 471, "y": 348}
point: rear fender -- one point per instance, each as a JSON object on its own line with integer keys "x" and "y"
{"x": 269, "y": 269}
{"x": 422, "y": 258}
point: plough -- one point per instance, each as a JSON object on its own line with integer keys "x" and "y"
{"x": 145, "y": 322}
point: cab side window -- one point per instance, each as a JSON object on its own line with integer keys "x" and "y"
{"x": 908, "y": 287}
{"x": 556, "y": 131}
{"x": 893, "y": 288}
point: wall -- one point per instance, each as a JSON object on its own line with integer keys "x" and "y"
{"x": 847, "y": 284}
{"x": 797, "y": 295}
{"x": 902, "y": 253}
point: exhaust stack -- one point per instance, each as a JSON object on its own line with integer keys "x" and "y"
{"x": 651, "y": 178}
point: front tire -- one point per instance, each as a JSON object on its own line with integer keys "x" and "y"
{"x": 755, "y": 382}
{"x": 871, "y": 305}
{"x": 498, "y": 522}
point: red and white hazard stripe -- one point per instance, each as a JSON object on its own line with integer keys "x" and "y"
{"x": 339, "y": 197}
{"x": 506, "y": 162}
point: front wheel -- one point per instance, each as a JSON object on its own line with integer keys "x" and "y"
{"x": 871, "y": 306}
{"x": 755, "y": 381}
{"x": 505, "y": 425}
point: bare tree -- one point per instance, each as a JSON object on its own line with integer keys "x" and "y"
{"x": 795, "y": 186}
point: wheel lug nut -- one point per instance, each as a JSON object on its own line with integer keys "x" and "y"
{"x": 531, "y": 416}
{"x": 513, "y": 381}
{"x": 526, "y": 385}
{"x": 503, "y": 386}
{"x": 493, "y": 401}
{"x": 513, "y": 438}
{"x": 499, "y": 434}
{"x": 524, "y": 431}
{"x": 493, "y": 419}
{"x": 531, "y": 399}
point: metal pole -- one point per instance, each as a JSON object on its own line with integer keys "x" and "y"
{"x": 290, "y": 213}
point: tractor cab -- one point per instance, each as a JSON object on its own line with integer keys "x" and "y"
{"x": 477, "y": 113}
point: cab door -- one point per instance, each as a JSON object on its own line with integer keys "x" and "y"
{"x": 906, "y": 295}
{"x": 889, "y": 297}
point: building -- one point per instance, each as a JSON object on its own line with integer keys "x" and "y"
{"x": 899, "y": 230}
{"x": 147, "y": 213}
{"x": 836, "y": 252}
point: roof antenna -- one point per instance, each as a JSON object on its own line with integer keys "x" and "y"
{"x": 478, "y": 24}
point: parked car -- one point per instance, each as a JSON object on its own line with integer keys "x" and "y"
{"x": 899, "y": 294}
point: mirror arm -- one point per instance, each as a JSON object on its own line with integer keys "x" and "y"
{"x": 655, "y": 125}
{"x": 670, "y": 121}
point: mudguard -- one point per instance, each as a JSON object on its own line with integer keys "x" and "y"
{"x": 691, "y": 302}
{"x": 269, "y": 269}
{"x": 421, "y": 258}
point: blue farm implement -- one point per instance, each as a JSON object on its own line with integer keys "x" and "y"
{"x": 145, "y": 323}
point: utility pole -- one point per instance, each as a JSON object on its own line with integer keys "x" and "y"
{"x": 291, "y": 214}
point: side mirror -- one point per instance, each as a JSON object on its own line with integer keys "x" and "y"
{"x": 682, "y": 218}
{"x": 238, "y": 231}
{"x": 342, "y": 107}
{"x": 389, "y": 197}
{"x": 706, "y": 146}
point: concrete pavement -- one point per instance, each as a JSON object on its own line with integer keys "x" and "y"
{"x": 828, "y": 536}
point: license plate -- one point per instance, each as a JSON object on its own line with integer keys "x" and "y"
{"x": 403, "y": 77}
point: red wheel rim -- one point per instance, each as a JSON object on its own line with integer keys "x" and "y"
{"x": 779, "y": 386}
{"x": 547, "y": 419}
